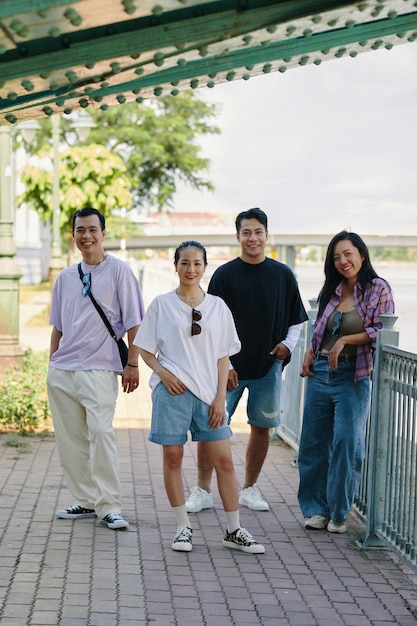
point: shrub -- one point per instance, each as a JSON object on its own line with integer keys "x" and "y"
{"x": 23, "y": 397}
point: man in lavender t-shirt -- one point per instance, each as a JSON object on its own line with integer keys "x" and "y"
{"x": 84, "y": 363}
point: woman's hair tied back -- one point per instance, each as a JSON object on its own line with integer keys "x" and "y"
{"x": 190, "y": 244}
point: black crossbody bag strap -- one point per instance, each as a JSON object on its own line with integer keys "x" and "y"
{"x": 98, "y": 307}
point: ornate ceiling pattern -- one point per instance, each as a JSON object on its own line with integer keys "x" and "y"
{"x": 57, "y": 57}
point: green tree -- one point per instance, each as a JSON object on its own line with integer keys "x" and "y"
{"x": 158, "y": 142}
{"x": 135, "y": 156}
{"x": 89, "y": 176}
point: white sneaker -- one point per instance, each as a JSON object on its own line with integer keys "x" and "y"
{"x": 182, "y": 541}
{"x": 115, "y": 521}
{"x": 336, "y": 527}
{"x": 316, "y": 522}
{"x": 198, "y": 500}
{"x": 252, "y": 498}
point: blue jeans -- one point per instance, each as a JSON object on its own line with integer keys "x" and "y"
{"x": 332, "y": 444}
{"x": 263, "y": 397}
{"x": 174, "y": 416}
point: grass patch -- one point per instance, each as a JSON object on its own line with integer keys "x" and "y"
{"x": 16, "y": 441}
{"x": 27, "y": 292}
{"x": 41, "y": 319}
{"x": 46, "y": 433}
{"x": 24, "y": 404}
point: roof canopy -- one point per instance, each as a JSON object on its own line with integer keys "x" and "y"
{"x": 58, "y": 56}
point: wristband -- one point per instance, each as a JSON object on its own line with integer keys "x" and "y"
{"x": 130, "y": 365}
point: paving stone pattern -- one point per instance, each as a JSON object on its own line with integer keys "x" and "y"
{"x": 80, "y": 573}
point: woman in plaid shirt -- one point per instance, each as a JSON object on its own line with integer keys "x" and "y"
{"x": 338, "y": 365}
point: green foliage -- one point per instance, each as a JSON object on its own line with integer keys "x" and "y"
{"x": 23, "y": 396}
{"x": 38, "y": 190}
{"x": 118, "y": 227}
{"x": 89, "y": 176}
{"x": 395, "y": 253}
{"x": 94, "y": 176}
{"x": 158, "y": 143}
{"x": 135, "y": 156}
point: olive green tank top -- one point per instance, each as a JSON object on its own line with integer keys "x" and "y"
{"x": 348, "y": 324}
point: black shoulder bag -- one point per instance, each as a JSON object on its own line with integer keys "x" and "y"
{"x": 123, "y": 349}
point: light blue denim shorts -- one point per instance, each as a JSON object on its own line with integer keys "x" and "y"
{"x": 174, "y": 416}
{"x": 264, "y": 393}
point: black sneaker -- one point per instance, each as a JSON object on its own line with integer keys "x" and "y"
{"x": 115, "y": 521}
{"x": 183, "y": 539}
{"x": 75, "y": 512}
{"x": 241, "y": 539}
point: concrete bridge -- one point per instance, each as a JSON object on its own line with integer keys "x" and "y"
{"x": 283, "y": 244}
{"x": 276, "y": 240}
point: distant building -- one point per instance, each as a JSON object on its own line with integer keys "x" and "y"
{"x": 187, "y": 222}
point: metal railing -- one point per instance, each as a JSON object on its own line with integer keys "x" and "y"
{"x": 292, "y": 395}
{"x": 392, "y": 466}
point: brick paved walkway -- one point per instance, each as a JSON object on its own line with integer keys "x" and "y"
{"x": 80, "y": 573}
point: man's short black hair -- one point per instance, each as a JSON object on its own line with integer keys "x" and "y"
{"x": 250, "y": 214}
{"x": 85, "y": 212}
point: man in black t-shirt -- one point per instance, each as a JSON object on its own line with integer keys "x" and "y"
{"x": 268, "y": 311}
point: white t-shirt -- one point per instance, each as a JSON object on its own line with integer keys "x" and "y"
{"x": 86, "y": 343}
{"x": 166, "y": 332}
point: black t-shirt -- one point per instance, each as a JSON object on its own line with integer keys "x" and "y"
{"x": 264, "y": 300}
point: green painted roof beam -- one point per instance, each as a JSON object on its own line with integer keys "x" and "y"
{"x": 133, "y": 37}
{"x": 323, "y": 43}
{"x": 280, "y": 50}
{"x": 16, "y": 7}
{"x": 118, "y": 59}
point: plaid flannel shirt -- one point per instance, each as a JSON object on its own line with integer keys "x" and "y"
{"x": 371, "y": 302}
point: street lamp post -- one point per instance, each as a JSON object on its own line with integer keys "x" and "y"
{"x": 81, "y": 123}
{"x": 56, "y": 263}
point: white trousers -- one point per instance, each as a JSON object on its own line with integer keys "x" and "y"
{"x": 82, "y": 405}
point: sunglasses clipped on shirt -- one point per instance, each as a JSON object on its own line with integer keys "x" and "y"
{"x": 87, "y": 284}
{"x": 196, "y": 317}
{"x": 337, "y": 323}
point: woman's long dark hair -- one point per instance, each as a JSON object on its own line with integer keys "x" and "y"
{"x": 332, "y": 276}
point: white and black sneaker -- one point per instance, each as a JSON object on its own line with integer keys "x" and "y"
{"x": 115, "y": 521}
{"x": 75, "y": 512}
{"x": 241, "y": 539}
{"x": 183, "y": 539}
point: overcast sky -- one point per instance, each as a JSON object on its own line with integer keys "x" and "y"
{"x": 319, "y": 148}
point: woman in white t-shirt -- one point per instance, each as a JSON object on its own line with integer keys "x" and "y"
{"x": 186, "y": 338}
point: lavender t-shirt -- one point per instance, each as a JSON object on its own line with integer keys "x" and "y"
{"x": 86, "y": 343}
